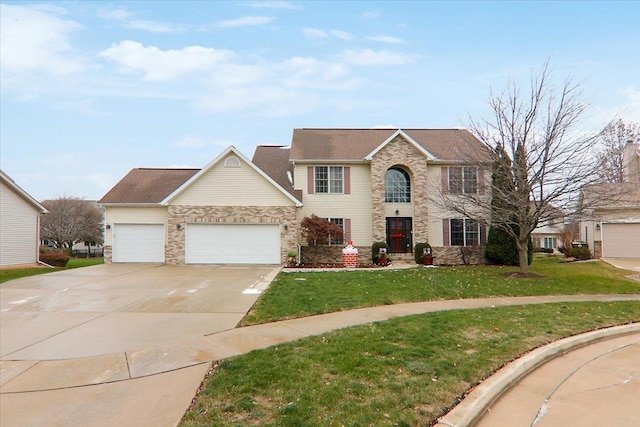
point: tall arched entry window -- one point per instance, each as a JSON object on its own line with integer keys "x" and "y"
{"x": 397, "y": 186}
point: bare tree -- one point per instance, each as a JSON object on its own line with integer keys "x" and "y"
{"x": 551, "y": 160}
{"x": 613, "y": 140}
{"x": 71, "y": 220}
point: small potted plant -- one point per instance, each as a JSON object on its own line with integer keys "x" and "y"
{"x": 291, "y": 258}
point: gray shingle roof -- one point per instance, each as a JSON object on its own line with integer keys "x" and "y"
{"x": 356, "y": 144}
{"x": 143, "y": 185}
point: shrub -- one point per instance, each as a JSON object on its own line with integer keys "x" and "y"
{"x": 580, "y": 253}
{"x": 543, "y": 250}
{"x": 375, "y": 250}
{"x": 56, "y": 259}
{"x": 418, "y": 250}
{"x": 501, "y": 249}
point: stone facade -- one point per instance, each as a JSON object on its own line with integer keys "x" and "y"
{"x": 179, "y": 214}
{"x": 108, "y": 254}
{"x": 451, "y": 255}
{"x": 332, "y": 255}
{"x": 400, "y": 153}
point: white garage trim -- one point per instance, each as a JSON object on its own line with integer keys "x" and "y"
{"x": 621, "y": 240}
{"x": 232, "y": 244}
{"x": 138, "y": 243}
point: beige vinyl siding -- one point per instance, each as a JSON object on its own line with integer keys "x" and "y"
{"x": 436, "y": 213}
{"x": 132, "y": 215}
{"x": 355, "y": 206}
{"x": 232, "y": 186}
{"x": 19, "y": 229}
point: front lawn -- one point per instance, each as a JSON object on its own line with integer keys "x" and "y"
{"x": 294, "y": 294}
{"x": 16, "y": 273}
{"x": 402, "y": 372}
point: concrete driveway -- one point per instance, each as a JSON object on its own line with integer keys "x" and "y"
{"x": 115, "y": 308}
{"x": 632, "y": 264}
{"x": 115, "y": 344}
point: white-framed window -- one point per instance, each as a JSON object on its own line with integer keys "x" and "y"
{"x": 549, "y": 243}
{"x": 463, "y": 180}
{"x": 397, "y": 186}
{"x": 464, "y": 232}
{"x": 340, "y": 223}
{"x": 329, "y": 179}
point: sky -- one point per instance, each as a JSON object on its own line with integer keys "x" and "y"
{"x": 91, "y": 90}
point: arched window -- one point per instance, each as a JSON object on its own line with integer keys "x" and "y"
{"x": 397, "y": 186}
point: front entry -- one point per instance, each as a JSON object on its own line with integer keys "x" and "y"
{"x": 399, "y": 233}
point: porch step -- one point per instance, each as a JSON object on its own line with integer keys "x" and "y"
{"x": 408, "y": 258}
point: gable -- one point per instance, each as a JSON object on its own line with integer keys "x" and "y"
{"x": 230, "y": 181}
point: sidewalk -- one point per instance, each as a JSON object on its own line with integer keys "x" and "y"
{"x": 155, "y": 386}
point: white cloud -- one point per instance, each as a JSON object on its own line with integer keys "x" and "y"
{"x": 160, "y": 65}
{"x": 116, "y": 14}
{"x": 274, "y": 5}
{"x": 310, "y": 73}
{"x": 266, "y": 100}
{"x": 126, "y": 18}
{"x": 382, "y": 57}
{"x": 386, "y": 39}
{"x": 372, "y": 13}
{"x": 154, "y": 27}
{"x": 342, "y": 35}
{"x": 37, "y": 41}
{"x": 314, "y": 33}
{"x": 245, "y": 21}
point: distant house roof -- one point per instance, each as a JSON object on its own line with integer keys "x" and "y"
{"x": 144, "y": 185}
{"x": 614, "y": 195}
{"x": 18, "y": 190}
{"x": 274, "y": 161}
{"x": 357, "y": 144}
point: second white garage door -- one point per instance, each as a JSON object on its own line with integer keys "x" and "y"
{"x": 232, "y": 244}
{"x": 621, "y": 240}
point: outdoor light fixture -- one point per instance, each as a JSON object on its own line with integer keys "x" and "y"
{"x": 397, "y": 212}
{"x": 286, "y": 227}
{"x": 180, "y": 226}
{"x": 108, "y": 226}
{"x": 597, "y": 226}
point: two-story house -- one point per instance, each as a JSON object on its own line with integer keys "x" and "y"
{"x": 377, "y": 184}
{"x": 611, "y": 222}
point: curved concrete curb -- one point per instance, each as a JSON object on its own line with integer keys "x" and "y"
{"x": 472, "y": 407}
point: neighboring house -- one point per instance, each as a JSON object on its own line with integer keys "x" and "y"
{"x": 548, "y": 235}
{"x": 377, "y": 184}
{"x": 19, "y": 224}
{"x": 611, "y": 224}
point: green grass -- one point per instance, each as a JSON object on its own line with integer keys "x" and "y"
{"x": 303, "y": 294}
{"x": 406, "y": 371}
{"x": 17, "y": 273}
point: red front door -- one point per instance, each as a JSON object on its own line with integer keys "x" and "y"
{"x": 399, "y": 235}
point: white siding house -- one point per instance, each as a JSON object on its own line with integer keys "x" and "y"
{"x": 19, "y": 224}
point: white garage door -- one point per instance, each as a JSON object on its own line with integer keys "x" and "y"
{"x": 621, "y": 240}
{"x": 138, "y": 243}
{"x": 232, "y": 244}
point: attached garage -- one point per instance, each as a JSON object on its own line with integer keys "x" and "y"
{"x": 232, "y": 243}
{"x": 621, "y": 240}
{"x": 138, "y": 243}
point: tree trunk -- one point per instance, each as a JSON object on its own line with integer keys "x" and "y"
{"x": 523, "y": 256}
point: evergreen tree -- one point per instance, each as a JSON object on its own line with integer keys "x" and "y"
{"x": 501, "y": 247}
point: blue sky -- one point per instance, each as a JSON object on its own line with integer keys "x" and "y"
{"x": 90, "y": 90}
